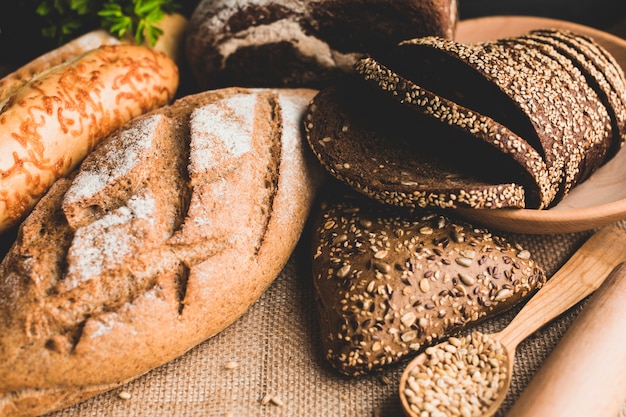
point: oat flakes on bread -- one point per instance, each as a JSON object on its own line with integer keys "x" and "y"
{"x": 561, "y": 103}
{"x": 390, "y": 153}
{"x": 390, "y": 282}
{"x": 274, "y": 43}
{"x": 169, "y": 230}
{"x": 49, "y": 122}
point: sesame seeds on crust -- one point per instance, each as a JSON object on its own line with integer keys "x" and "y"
{"x": 478, "y": 126}
{"x": 575, "y": 108}
{"x": 546, "y": 88}
{"x": 542, "y": 100}
{"x": 397, "y": 160}
{"x": 389, "y": 284}
{"x": 602, "y": 71}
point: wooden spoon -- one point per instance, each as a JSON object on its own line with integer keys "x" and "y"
{"x": 471, "y": 375}
{"x": 585, "y": 374}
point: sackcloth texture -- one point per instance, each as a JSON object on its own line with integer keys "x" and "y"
{"x": 269, "y": 363}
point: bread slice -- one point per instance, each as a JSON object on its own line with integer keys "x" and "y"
{"x": 164, "y": 236}
{"x": 390, "y": 282}
{"x": 601, "y": 70}
{"x": 573, "y": 106}
{"x": 550, "y": 89}
{"x": 386, "y": 151}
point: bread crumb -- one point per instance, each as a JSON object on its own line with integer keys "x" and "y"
{"x": 276, "y": 401}
{"x": 124, "y": 395}
{"x": 266, "y": 399}
{"x": 271, "y": 399}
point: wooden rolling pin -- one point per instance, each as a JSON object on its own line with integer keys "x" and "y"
{"x": 585, "y": 375}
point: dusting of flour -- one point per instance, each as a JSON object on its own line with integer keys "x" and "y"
{"x": 107, "y": 242}
{"x": 222, "y": 126}
{"x": 122, "y": 154}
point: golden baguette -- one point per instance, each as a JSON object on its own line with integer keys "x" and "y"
{"x": 90, "y": 40}
{"x": 49, "y": 123}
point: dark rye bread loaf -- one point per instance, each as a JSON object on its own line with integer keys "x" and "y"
{"x": 603, "y": 73}
{"x": 557, "y": 99}
{"x": 302, "y": 43}
{"x": 547, "y": 94}
{"x": 451, "y": 157}
{"x": 165, "y": 235}
{"x": 389, "y": 283}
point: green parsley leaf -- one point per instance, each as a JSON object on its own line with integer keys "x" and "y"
{"x": 137, "y": 19}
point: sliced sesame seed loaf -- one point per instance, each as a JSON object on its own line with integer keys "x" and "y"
{"x": 603, "y": 73}
{"x": 584, "y": 126}
{"x": 529, "y": 86}
{"x": 477, "y": 133}
{"x": 478, "y": 76}
{"x": 390, "y": 282}
{"x": 382, "y": 150}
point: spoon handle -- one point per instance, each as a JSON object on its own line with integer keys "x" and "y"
{"x": 585, "y": 375}
{"x": 580, "y": 276}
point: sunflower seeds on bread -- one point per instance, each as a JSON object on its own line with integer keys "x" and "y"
{"x": 390, "y": 282}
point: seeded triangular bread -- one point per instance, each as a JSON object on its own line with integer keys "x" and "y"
{"x": 380, "y": 148}
{"x": 390, "y": 282}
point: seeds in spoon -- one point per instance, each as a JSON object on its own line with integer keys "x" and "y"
{"x": 459, "y": 377}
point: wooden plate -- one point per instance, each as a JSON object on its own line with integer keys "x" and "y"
{"x": 598, "y": 201}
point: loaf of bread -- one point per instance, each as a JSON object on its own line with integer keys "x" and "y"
{"x": 50, "y": 122}
{"x": 557, "y": 91}
{"x": 302, "y": 43}
{"x": 394, "y": 155}
{"x": 390, "y": 282}
{"x": 167, "y": 232}
{"x": 90, "y": 40}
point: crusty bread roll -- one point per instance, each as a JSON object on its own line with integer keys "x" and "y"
{"x": 299, "y": 43}
{"x": 390, "y": 282}
{"x": 169, "y": 230}
{"x": 49, "y": 124}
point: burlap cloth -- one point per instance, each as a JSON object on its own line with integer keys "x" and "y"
{"x": 269, "y": 363}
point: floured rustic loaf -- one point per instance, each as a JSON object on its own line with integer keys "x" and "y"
{"x": 165, "y": 235}
{"x": 296, "y": 43}
{"x": 390, "y": 282}
{"x": 557, "y": 91}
